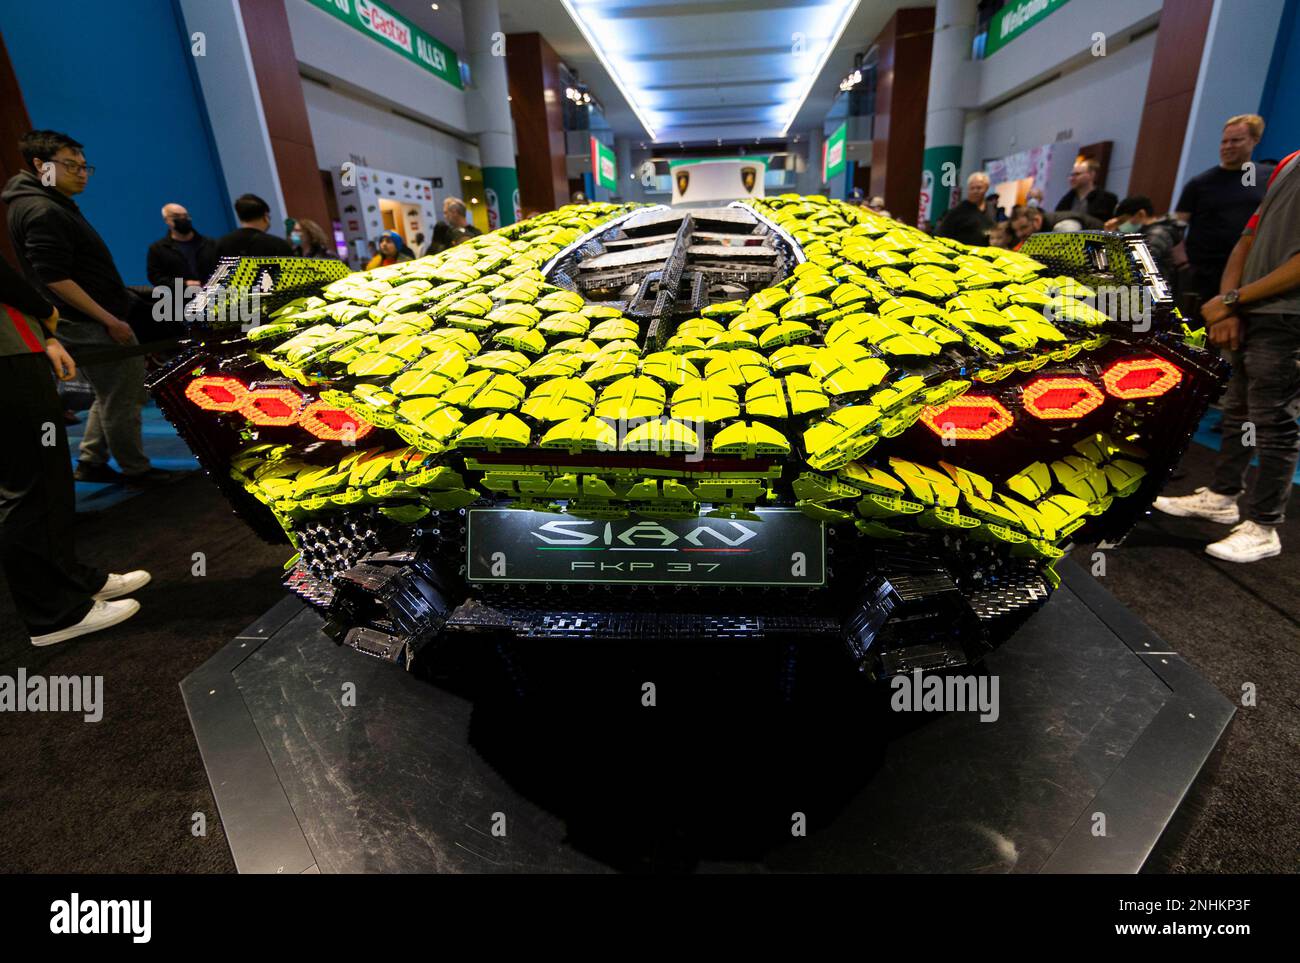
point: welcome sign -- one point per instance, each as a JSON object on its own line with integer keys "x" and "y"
{"x": 382, "y": 25}
{"x": 1014, "y": 19}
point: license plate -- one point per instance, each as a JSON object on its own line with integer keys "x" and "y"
{"x": 785, "y": 547}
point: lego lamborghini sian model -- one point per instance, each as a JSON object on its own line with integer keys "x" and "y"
{"x": 787, "y": 417}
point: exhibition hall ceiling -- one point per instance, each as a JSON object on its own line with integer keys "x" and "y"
{"x": 698, "y": 71}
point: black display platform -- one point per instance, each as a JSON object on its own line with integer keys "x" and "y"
{"x": 1098, "y": 716}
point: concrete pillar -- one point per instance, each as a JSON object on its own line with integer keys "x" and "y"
{"x": 628, "y": 187}
{"x": 810, "y": 181}
{"x": 490, "y": 110}
{"x": 951, "y": 73}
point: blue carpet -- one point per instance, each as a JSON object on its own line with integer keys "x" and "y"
{"x": 161, "y": 443}
{"x": 1207, "y": 434}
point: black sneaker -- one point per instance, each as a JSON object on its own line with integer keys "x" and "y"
{"x": 98, "y": 474}
{"x": 153, "y": 477}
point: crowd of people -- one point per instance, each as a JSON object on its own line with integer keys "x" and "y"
{"x": 68, "y": 301}
{"x": 1230, "y": 250}
{"x": 1190, "y": 244}
{"x": 1234, "y": 236}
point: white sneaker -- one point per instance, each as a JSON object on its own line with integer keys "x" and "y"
{"x": 1203, "y": 503}
{"x": 118, "y": 585}
{"x": 1249, "y": 542}
{"x": 100, "y": 616}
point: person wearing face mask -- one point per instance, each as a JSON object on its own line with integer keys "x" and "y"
{"x": 1134, "y": 215}
{"x": 309, "y": 240}
{"x": 182, "y": 254}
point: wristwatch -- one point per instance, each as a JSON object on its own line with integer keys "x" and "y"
{"x": 1231, "y": 297}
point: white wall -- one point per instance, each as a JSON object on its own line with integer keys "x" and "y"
{"x": 1101, "y": 100}
{"x": 1064, "y": 39}
{"x": 343, "y": 125}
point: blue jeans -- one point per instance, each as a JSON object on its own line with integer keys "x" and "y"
{"x": 1264, "y": 391}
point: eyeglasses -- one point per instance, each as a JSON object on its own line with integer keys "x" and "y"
{"x": 72, "y": 167}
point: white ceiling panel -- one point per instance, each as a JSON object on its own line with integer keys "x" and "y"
{"x": 672, "y": 70}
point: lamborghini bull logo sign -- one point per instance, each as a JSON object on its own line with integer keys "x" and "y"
{"x": 748, "y": 177}
{"x": 683, "y": 179}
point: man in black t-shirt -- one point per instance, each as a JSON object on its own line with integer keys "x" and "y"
{"x": 251, "y": 239}
{"x": 1215, "y": 204}
{"x": 971, "y": 220}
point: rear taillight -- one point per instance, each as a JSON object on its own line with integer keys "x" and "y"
{"x": 272, "y": 406}
{"x": 277, "y": 407}
{"x": 1141, "y": 378}
{"x": 217, "y": 393}
{"x": 1056, "y": 397}
{"x": 972, "y": 417}
{"x": 332, "y": 423}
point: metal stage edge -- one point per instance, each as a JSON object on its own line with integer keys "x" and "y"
{"x": 1141, "y": 797}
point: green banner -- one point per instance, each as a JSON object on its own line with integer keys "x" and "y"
{"x": 833, "y": 158}
{"x": 1014, "y": 19}
{"x": 501, "y": 192}
{"x": 604, "y": 169}
{"x": 940, "y": 184}
{"x": 382, "y": 25}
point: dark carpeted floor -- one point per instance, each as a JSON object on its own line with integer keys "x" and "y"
{"x": 119, "y": 796}
{"x": 1238, "y": 625}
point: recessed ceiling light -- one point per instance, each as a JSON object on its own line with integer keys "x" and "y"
{"x": 598, "y": 32}
{"x": 845, "y": 13}
{"x": 433, "y": 6}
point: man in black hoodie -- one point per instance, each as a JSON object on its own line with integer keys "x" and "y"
{"x": 69, "y": 263}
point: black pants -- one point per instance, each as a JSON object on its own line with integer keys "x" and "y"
{"x": 1205, "y": 277}
{"x": 1264, "y": 392}
{"x": 51, "y": 589}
